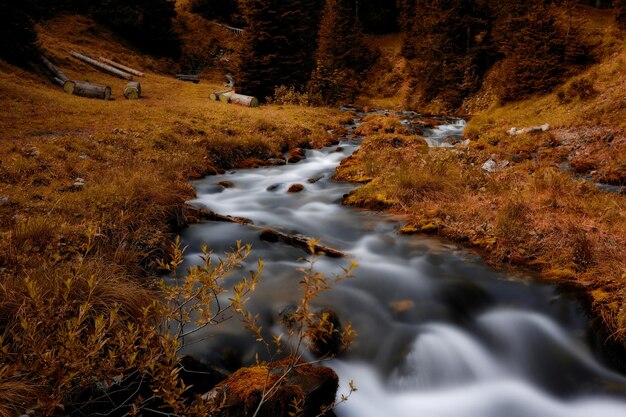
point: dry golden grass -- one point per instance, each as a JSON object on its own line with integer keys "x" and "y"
{"x": 94, "y": 191}
{"x": 587, "y": 114}
{"x": 527, "y": 215}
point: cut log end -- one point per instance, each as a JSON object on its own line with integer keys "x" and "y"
{"x": 68, "y": 86}
{"x": 215, "y": 96}
{"x": 132, "y": 91}
{"x": 225, "y": 97}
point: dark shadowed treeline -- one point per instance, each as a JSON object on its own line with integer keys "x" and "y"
{"x": 315, "y": 49}
{"x": 453, "y": 44}
{"x": 146, "y": 23}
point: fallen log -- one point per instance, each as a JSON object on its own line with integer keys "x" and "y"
{"x": 196, "y": 214}
{"x": 215, "y": 96}
{"x": 307, "y": 244}
{"x": 237, "y": 31}
{"x": 87, "y": 89}
{"x": 54, "y": 69}
{"x": 185, "y": 77}
{"x": 225, "y": 97}
{"x": 101, "y": 66}
{"x": 58, "y": 81}
{"x": 132, "y": 91}
{"x": 242, "y": 100}
{"x": 122, "y": 67}
{"x": 515, "y": 131}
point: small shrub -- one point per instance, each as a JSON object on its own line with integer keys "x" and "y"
{"x": 582, "y": 89}
{"x": 284, "y": 95}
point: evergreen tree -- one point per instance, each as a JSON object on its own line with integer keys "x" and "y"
{"x": 533, "y": 47}
{"x": 147, "y": 23}
{"x": 450, "y": 43}
{"x": 18, "y": 38}
{"x": 276, "y": 48}
{"x": 224, "y": 10}
{"x": 342, "y": 55}
{"x": 620, "y": 13}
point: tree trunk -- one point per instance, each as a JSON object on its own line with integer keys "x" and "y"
{"x": 103, "y": 67}
{"x": 225, "y": 97}
{"x": 215, "y": 96}
{"x": 242, "y": 100}
{"x": 54, "y": 69}
{"x": 298, "y": 241}
{"x": 185, "y": 77}
{"x": 86, "y": 89}
{"x": 132, "y": 91}
{"x": 122, "y": 67}
{"x": 266, "y": 234}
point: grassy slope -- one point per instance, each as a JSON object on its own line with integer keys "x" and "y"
{"x": 128, "y": 152}
{"x": 135, "y": 158}
{"x": 530, "y": 214}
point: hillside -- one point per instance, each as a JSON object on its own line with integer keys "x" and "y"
{"x": 92, "y": 194}
{"x": 537, "y": 207}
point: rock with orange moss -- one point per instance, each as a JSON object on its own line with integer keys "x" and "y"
{"x": 296, "y": 155}
{"x": 313, "y": 388}
{"x": 296, "y": 188}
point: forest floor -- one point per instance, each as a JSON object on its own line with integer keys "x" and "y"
{"x": 539, "y": 207}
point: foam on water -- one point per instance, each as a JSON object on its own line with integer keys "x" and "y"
{"x": 440, "y": 333}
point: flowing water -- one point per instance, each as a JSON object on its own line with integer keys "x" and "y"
{"x": 439, "y": 332}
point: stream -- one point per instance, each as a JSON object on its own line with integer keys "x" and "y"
{"x": 440, "y": 333}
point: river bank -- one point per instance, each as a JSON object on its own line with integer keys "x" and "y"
{"x": 439, "y": 331}
{"x": 92, "y": 195}
{"x": 521, "y": 212}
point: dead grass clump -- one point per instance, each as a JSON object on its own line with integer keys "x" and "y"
{"x": 378, "y": 123}
{"x": 512, "y": 221}
{"x": 65, "y": 332}
{"x": 582, "y": 249}
{"x": 556, "y": 189}
{"x": 436, "y": 177}
{"x": 15, "y": 394}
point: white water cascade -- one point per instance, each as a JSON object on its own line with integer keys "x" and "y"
{"x": 469, "y": 342}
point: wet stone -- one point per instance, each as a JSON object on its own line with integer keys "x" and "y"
{"x": 226, "y": 184}
{"x": 296, "y": 188}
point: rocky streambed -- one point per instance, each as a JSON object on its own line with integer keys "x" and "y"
{"x": 439, "y": 332}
